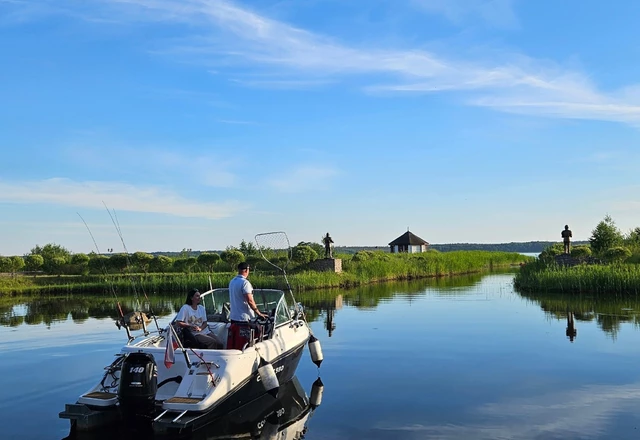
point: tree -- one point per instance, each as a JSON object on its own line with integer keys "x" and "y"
{"x": 318, "y": 247}
{"x": 633, "y": 238}
{"x": 17, "y": 263}
{"x": 56, "y": 265}
{"x": 254, "y": 261}
{"x": 208, "y": 260}
{"x": 79, "y": 259}
{"x": 5, "y": 264}
{"x": 142, "y": 260}
{"x": 185, "y": 265}
{"x": 118, "y": 262}
{"x": 232, "y": 257}
{"x": 79, "y": 264}
{"x": 49, "y": 252}
{"x": 161, "y": 263}
{"x": 248, "y": 248}
{"x": 303, "y": 254}
{"x": 33, "y": 262}
{"x": 606, "y": 235}
{"x": 190, "y": 264}
{"x": 98, "y": 263}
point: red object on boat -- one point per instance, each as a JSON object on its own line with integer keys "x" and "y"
{"x": 239, "y": 335}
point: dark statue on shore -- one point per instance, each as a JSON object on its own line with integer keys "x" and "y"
{"x": 566, "y": 238}
{"x": 328, "y": 241}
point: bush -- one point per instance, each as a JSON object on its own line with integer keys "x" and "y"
{"x": 580, "y": 251}
{"x": 548, "y": 255}
{"x": 616, "y": 254}
{"x": 303, "y": 254}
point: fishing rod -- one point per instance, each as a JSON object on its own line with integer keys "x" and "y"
{"x": 122, "y": 321}
{"x": 116, "y": 224}
{"x": 279, "y": 242}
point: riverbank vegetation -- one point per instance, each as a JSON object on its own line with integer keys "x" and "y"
{"x": 609, "y": 265}
{"x": 48, "y": 309}
{"x": 56, "y": 270}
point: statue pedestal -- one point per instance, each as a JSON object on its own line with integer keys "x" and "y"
{"x": 327, "y": 265}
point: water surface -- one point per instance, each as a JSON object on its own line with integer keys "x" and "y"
{"x": 455, "y": 358}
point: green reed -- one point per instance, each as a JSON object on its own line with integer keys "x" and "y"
{"x": 430, "y": 264}
{"x": 359, "y": 270}
{"x": 614, "y": 279}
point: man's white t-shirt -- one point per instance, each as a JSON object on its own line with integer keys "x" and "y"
{"x": 194, "y": 317}
{"x": 239, "y": 287}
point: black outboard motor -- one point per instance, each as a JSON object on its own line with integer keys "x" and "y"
{"x": 138, "y": 386}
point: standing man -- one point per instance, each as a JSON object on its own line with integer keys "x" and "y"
{"x": 327, "y": 240}
{"x": 243, "y": 308}
{"x": 566, "y": 238}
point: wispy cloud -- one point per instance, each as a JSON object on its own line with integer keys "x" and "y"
{"x": 223, "y": 33}
{"x": 303, "y": 178}
{"x": 498, "y": 13}
{"x": 289, "y": 84}
{"x": 118, "y": 196}
{"x": 153, "y": 162}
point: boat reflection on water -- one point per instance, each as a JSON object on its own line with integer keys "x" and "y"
{"x": 266, "y": 418}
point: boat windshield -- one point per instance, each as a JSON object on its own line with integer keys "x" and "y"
{"x": 271, "y": 301}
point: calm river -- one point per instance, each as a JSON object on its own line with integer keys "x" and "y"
{"x": 465, "y": 358}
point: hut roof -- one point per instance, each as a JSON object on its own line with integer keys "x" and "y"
{"x": 408, "y": 238}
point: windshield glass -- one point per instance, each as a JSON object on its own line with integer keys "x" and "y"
{"x": 270, "y": 301}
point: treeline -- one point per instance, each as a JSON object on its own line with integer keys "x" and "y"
{"x": 526, "y": 247}
{"x": 53, "y": 259}
{"x": 520, "y": 247}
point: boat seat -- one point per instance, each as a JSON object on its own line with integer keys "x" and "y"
{"x": 221, "y": 331}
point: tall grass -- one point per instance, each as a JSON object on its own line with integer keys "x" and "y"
{"x": 614, "y": 279}
{"x": 369, "y": 267}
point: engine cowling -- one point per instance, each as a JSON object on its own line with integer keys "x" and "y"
{"x": 138, "y": 385}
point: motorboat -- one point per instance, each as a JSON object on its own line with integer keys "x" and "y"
{"x": 159, "y": 378}
{"x": 284, "y": 417}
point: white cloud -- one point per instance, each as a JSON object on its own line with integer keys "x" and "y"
{"x": 117, "y": 196}
{"x": 223, "y": 33}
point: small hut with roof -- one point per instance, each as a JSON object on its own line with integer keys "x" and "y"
{"x": 409, "y": 243}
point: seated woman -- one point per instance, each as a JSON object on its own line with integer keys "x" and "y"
{"x": 193, "y": 319}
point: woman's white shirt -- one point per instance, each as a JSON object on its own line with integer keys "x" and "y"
{"x": 194, "y": 317}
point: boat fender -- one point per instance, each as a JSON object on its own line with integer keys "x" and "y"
{"x": 267, "y": 376}
{"x": 315, "y": 350}
{"x": 316, "y": 393}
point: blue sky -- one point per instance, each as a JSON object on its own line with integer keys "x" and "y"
{"x": 205, "y": 122}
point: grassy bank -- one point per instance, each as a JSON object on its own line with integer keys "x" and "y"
{"x": 611, "y": 279}
{"x": 359, "y": 269}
